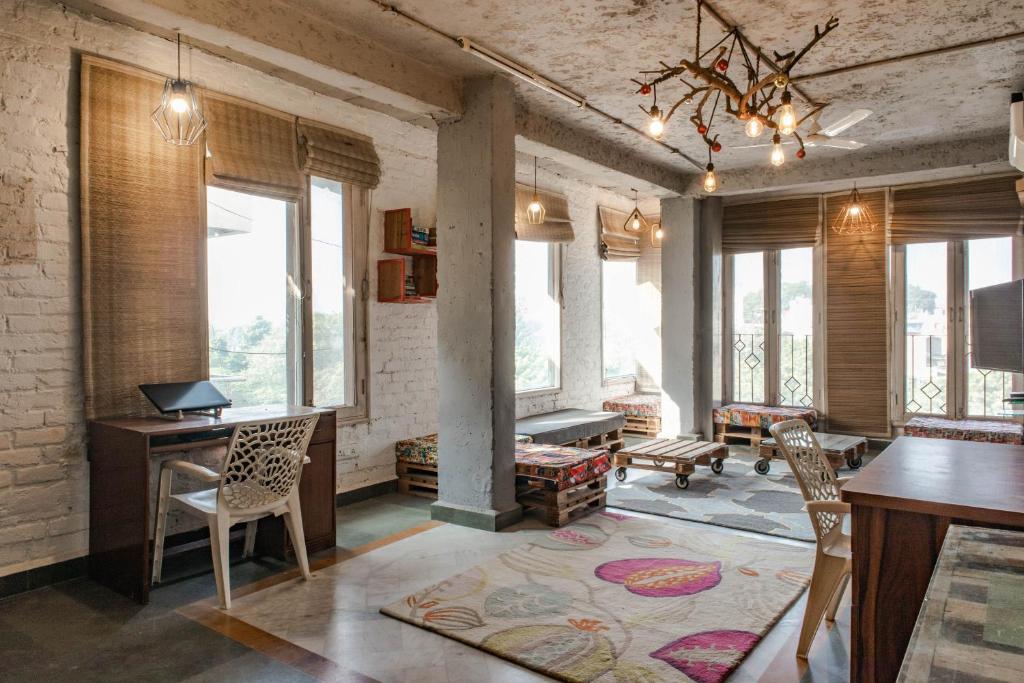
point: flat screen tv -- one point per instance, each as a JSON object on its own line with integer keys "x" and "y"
{"x": 997, "y": 327}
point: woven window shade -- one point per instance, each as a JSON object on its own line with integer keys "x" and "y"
{"x": 251, "y": 149}
{"x": 143, "y": 244}
{"x": 616, "y": 243}
{"x": 779, "y": 224}
{"x": 556, "y": 226}
{"x": 974, "y": 209}
{"x": 337, "y": 154}
{"x": 856, "y": 318}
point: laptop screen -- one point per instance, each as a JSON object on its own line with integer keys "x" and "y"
{"x": 184, "y": 396}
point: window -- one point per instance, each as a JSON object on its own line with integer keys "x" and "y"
{"x": 618, "y": 305}
{"x": 771, "y": 321}
{"x": 254, "y": 309}
{"x": 268, "y": 342}
{"x": 538, "y": 316}
{"x": 931, "y": 283}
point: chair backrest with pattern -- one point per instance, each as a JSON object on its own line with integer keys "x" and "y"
{"x": 264, "y": 462}
{"x": 810, "y": 466}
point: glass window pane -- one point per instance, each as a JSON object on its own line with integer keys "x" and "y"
{"x": 796, "y": 331}
{"x": 927, "y": 342}
{"x": 619, "y": 304}
{"x": 253, "y": 299}
{"x": 989, "y": 262}
{"x": 748, "y": 328}
{"x": 333, "y": 296}
{"x": 537, "y": 317}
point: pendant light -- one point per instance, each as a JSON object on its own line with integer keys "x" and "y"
{"x": 179, "y": 118}
{"x": 535, "y": 211}
{"x": 635, "y": 222}
{"x": 855, "y": 217}
{"x": 710, "y": 177}
{"x": 787, "y": 115}
{"x": 778, "y": 157}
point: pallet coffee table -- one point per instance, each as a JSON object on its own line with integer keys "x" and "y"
{"x": 671, "y": 455}
{"x": 838, "y": 448}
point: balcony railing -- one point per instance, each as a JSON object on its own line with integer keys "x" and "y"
{"x": 796, "y": 365}
{"x": 927, "y": 380}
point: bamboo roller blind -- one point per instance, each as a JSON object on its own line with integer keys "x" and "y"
{"x": 777, "y": 224}
{"x": 616, "y": 243}
{"x": 556, "y": 226}
{"x": 987, "y": 207}
{"x": 337, "y": 154}
{"x": 857, "y": 355}
{"x": 143, "y": 245}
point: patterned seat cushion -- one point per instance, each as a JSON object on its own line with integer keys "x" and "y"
{"x": 991, "y": 431}
{"x": 636, "y": 405}
{"x": 423, "y": 449}
{"x": 750, "y": 415}
{"x": 556, "y": 468}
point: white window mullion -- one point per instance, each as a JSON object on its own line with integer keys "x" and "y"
{"x": 772, "y": 296}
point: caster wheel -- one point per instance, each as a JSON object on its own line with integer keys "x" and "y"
{"x": 717, "y": 466}
{"x": 620, "y": 474}
{"x": 762, "y": 466}
{"x": 682, "y": 481}
{"x": 855, "y": 463}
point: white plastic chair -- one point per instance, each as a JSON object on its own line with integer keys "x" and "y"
{"x": 259, "y": 477}
{"x": 820, "y": 488}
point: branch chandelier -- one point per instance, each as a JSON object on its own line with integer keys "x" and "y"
{"x": 765, "y": 103}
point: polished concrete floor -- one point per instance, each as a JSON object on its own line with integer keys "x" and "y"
{"x": 81, "y": 631}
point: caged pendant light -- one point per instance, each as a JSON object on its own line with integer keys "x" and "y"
{"x": 635, "y": 222}
{"x": 855, "y": 218}
{"x": 179, "y": 118}
{"x": 535, "y": 211}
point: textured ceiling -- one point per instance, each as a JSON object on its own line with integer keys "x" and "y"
{"x": 594, "y": 47}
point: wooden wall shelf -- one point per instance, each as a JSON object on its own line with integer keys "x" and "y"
{"x": 416, "y": 262}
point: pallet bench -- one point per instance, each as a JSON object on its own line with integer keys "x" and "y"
{"x": 559, "y": 508}
{"x": 642, "y": 413}
{"x": 671, "y": 455}
{"x": 749, "y": 422}
{"x": 575, "y": 428}
{"x": 989, "y": 431}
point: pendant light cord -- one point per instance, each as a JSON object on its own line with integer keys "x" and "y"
{"x": 179, "y": 56}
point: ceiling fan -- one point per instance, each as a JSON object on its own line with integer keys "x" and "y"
{"x": 816, "y": 136}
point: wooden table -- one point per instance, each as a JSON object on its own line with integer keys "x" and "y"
{"x": 671, "y": 455}
{"x": 121, "y": 453}
{"x": 972, "y": 624}
{"x": 902, "y": 504}
{"x": 840, "y": 449}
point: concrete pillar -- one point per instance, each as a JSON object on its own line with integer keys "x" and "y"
{"x": 476, "y": 309}
{"x": 679, "y": 306}
{"x": 708, "y": 385}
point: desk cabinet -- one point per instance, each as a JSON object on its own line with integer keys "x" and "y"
{"x": 120, "y": 463}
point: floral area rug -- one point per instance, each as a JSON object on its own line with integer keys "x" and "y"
{"x": 738, "y": 498}
{"x": 616, "y": 598}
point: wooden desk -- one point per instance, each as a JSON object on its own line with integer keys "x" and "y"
{"x": 902, "y": 505}
{"x": 120, "y": 514}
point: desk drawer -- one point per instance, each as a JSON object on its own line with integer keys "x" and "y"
{"x": 326, "y": 428}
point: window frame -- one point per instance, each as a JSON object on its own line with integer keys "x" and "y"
{"x": 957, "y": 296}
{"x": 356, "y": 213}
{"x": 772, "y": 327}
{"x": 556, "y": 254}
{"x": 611, "y": 380}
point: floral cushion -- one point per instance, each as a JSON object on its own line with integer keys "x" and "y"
{"x": 423, "y": 449}
{"x": 991, "y": 431}
{"x": 751, "y": 415}
{"x": 636, "y": 405}
{"x": 556, "y": 468}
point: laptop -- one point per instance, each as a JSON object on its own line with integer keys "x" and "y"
{"x": 176, "y": 398}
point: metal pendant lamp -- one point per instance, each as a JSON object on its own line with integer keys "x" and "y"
{"x": 179, "y": 117}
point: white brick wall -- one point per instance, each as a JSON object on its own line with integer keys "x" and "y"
{"x": 43, "y": 469}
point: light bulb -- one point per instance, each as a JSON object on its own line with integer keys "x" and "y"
{"x": 754, "y": 127}
{"x": 787, "y": 115}
{"x": 179, "y": 104}
{"x": 535, "y": 212}
{"x": 635, "y": 224}
{"x": 659, "y": 233}
{"x": 855, "y": 209}
{"x": 778, "y": 155}
{"x": 710, "y": 179}
{"x": 656, "y": 125}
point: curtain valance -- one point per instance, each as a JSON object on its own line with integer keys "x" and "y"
{"x": 337, "y": 154}
{"x": 973, "y": 209}
{"x": 779, "y": 224}
{"x": 556, "y": 226}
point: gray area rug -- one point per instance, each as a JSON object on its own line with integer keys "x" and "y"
{"x": 738, "y": 498}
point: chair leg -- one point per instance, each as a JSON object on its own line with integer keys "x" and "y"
{"x": 220, "y": 538}
{"x": 293, "y": 520}
{"x": 828, "y": 573}
{"x": 833, "y": 605}
{"x": 250, "y": 538}
{"x": 160, "y": 531}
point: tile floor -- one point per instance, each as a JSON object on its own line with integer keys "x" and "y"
{"x": 83, "y": 632}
